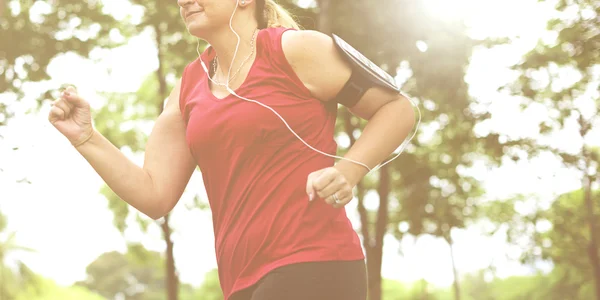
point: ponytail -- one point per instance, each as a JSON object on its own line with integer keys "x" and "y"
{"x": 271, "y": 14}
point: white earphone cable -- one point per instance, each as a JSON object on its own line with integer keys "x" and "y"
{"x": 407, "y": 141}
{"x": 292, "y": 131}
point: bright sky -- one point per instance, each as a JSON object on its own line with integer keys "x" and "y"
{"x": 61, "y": 214}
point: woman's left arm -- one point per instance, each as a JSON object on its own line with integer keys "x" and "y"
{"x": 317, "y": 62}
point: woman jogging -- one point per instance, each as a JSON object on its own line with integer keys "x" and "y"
{"x": 256, "y": 112}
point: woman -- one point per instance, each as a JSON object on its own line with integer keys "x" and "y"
{"x": 279, "y": 229}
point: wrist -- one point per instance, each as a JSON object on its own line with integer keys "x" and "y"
{"x": 353, "y": 172}
{"x": 84, "y": 138}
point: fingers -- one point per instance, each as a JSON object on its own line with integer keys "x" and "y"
{"x": 344, "y": 196}
{"x": 310, "y": 188}
{"x": 64, "y": 105}
{"x": 324, "y": 179}
{"x": 70, "y": 94}
{"x": 71, "y": 89}
{"x": 335, "y": 185}
{"x": 56, "y": 114}
{"x": 327, "y": 183}
{"x": 61, "y": 108}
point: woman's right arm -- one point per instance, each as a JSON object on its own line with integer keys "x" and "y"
{"x": 153, "y": 189}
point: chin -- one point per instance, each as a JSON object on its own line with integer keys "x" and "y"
{"x": 207, "y": 33}
{"x": 197, "y": 31}
{"x": 201, "y": 29}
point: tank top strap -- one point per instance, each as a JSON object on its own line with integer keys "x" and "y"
{"x": 270, "y": 45}
{"x": 270, "y": 50}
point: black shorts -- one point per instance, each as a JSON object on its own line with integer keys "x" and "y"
{"x": 329, "y": 280}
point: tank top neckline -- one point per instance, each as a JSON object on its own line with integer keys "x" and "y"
{"x": 210, "y": 54}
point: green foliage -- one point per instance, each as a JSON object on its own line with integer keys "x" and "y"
{"x": 512, "y": 288}
{"x": 49, "y": 290}
{"x": 542, "y": 72}
{"x": 559, "y": 234}
{"x": 139, "y": 274}
{"x": 394, "y": 290}
{"x": 176, "y": 47}
{"x": 13, "y": 278}
{"x": 135, "y": 275}
{"x": 568, "y": 243}
{"x": 560, "y": 76}
{"x": 570, "y": 233}
{"x": 210, "y": 288}
{"x": 475, "y": 287}
{"x": 432, "y": 193}
{"x": 32, "y": 33}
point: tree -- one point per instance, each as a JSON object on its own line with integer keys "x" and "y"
{"x": 136, "y": 275}
{"x": 12, "y": 278}
{"x": 32, "y": 33}
{"x": 428, "y": 188}
{"x": 557, "y": 235}
{"x": 568, "y": 240}
{"x": 569, "y": 101}
{"x": 174, "y": 50}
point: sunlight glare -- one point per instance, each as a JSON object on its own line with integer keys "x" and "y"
{"x": 488, "y": 18}
{"x": 450, "y": 10}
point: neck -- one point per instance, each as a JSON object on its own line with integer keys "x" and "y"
{"x": 224, "y": 44}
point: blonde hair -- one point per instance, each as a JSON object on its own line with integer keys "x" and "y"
{"x": 271, "y": 14}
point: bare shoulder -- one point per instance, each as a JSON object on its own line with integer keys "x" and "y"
{"x": 315, "y": 59}
{"x": 295, "y": 42}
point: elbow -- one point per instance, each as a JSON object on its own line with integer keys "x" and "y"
{"x": 153, "y": 213}
{"x": 159, "y": 211}
{"x": 159, "y": 208}
{"x": 155, "y": 216}
{"x": 158, "y": 201}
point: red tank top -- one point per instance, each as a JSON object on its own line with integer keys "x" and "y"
{"x": 255, "y": 170}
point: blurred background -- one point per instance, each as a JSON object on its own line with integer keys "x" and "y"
{"x": 496, "y": 198}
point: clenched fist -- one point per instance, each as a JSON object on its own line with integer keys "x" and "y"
{"x": 71, "y": 116}
{"x": 329, "y": 184}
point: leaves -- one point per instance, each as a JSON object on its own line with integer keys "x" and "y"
{"x": 128, "y": 276}
{"x": 542, "y": 81}
{"x": 13, "y": 280}
{"x": 32, "y": 33}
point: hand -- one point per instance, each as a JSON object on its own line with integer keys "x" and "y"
{"x": 328, "y": 182}
{"x": 71, "y": 116}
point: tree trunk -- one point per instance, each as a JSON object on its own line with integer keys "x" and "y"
{"x": 424, "y": 289}
{"x": 593, "y": 245}
{"x": 373, "y": 244}
{"x": 324, "y": 21}
{"x": 360, "y": 191}
{"x": 172, "y": 280}
{"x": 364, "y": 229}
{"x": 454, "y": 270}
{"x": 362, "y": 211}
{"x": 375, "y": 261}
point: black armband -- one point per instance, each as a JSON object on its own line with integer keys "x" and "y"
{"x": 365, "y": 75}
